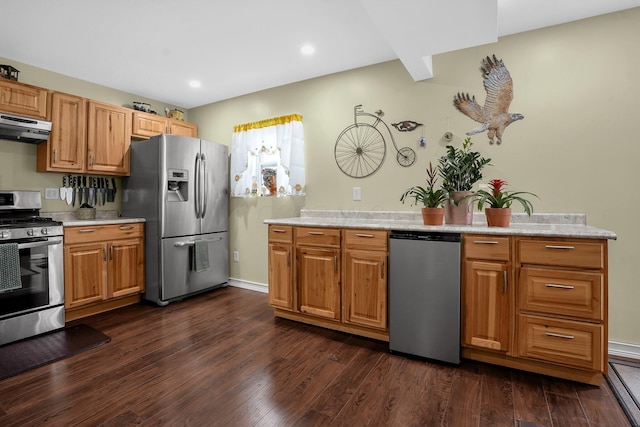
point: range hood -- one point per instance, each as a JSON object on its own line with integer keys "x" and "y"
{"x": 24, "y": 129}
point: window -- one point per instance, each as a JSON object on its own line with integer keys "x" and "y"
{"x": 267, "y": 158}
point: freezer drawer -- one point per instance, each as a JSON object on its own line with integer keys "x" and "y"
{"x": 178, "y": 279}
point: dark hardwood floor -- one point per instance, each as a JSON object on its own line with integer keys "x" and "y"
{"x": 222, "y": 359}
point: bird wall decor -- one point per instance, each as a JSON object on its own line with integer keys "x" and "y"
{"x": 495, "y": 115}
{"x": 406, "y": 125}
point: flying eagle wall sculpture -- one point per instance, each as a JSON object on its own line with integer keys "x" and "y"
{"x": 495, "y": 115}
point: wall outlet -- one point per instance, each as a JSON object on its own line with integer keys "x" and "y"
{"x": 357, "y": 193}
{"x": 51, "y": 193}
{"x": 236, "y": 256}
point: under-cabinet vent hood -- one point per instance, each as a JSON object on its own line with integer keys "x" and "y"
{"x": 24, "y": 129}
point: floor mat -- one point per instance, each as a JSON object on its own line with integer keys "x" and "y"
{"x": 624, "y": 379}
{"x": 21, "y": 356}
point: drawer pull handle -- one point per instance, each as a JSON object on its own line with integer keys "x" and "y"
{"x": 126, "y": 227}
{"x": 278, "y": 230}
{"x": 559, "y": 247}
{"x": 485, "y": 242}
{"x": 567, "y": 337}
{"x": 87, "y": 230}
{"x": 553, "y": 285}
{"x": 316, "y": 233}
{"x": 369, "y": 236}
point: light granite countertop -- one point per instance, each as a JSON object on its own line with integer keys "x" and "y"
{"x": 69, "y": 219}
{"x": 552, "y": 225}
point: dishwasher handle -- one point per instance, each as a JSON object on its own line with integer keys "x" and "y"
{"x": 425, "y": 235}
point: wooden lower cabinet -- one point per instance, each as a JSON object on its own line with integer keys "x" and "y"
{"x": 318, "y": 280}
{"x": 329, "y": 278}
{"x": 551, "y": 318}
{"x": 103, "y": 268}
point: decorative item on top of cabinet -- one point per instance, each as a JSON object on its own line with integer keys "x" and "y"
{"x": 104, "y": 268}
{"x": 487, "y": 292}
{"x": 281, "y": 292}
{"x": 65, "y": 148}
{"x": 365, "y": 278}
{"x": 146, "y": 125}
{"x": 108, "y": 139}
{"x": 23, "y": 99}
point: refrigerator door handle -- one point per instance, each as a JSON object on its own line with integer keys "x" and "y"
{"x": 192, "y": 243}
{"x": 204, "y": 187}
{"x": 197, "y": 186}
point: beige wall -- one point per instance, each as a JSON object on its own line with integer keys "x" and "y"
{"x": 577, "y": 148}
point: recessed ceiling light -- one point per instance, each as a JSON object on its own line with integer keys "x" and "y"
{"x": 307, "y": 49}
{"x": 195, "y": 83}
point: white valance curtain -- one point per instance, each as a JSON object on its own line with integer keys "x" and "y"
{"x": 266, "y": 149}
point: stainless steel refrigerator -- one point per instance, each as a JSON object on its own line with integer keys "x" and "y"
{"x": 180, "y": 185}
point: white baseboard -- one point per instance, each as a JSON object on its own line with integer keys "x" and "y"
{"x": 620, "y": 349}
{"x": 252, "y": 286}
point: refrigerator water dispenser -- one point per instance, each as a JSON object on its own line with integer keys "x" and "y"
{"x": 177, "y": 185}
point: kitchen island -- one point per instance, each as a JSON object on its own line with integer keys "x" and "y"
{"x": 534, "y": 295}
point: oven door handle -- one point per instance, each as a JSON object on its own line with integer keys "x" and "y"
{"x": 40, "y": 243}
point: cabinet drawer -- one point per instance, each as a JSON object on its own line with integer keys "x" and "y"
{"x": 97, "y": 233}
{"x": 317, "y": 236}
{"x": 565, "y": 293}
{"x": 561, "y": 341}
{"x": 569, "y": 253}
{"x": 280, "y": 233}
{"x": 486, "y": 247}
{"x": 366, "y": 239}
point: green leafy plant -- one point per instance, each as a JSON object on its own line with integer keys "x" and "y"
{"x": 499, "y": 198}
{"x": 427, "y": 197}
{"x": 461, "y": 168}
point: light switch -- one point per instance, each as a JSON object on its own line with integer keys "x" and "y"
{"x": 357, "y": 193}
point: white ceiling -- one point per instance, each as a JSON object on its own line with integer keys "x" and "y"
{"x": 153, "y": 48}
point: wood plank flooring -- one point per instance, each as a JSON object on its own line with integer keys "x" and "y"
{"x": 222, "y": 359}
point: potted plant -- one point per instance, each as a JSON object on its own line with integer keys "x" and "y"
{"x": 499, "y": 201}
{"x": 460, "y": 169}
{"x": 430, "y": 198}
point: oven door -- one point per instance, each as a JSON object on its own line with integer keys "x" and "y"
{"x": 41, "y": 274}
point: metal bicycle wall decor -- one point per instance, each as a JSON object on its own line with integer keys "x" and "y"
{"x": 360, "y": 149}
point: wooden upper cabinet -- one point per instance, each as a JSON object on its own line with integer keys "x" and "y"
{"x": 183, "y": 128}
{"x": 23, "y": 99}
{"x": 65, "y": 149}
{"x": 146, "y": 125}
{"x": 108, "y": 139}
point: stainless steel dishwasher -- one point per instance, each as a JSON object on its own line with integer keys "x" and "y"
{"x": 424, "y": 294}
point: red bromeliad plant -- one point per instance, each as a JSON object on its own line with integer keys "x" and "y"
{"x": 500, "y": 198}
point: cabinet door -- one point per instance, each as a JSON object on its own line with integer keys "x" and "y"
{"x": 64, "y": 151}
{"x": 319, "y": 282}
{"x": 85, "y": 274}
{"x": 146, "y": 125}
{"x": 108, "y": 139}
{"x": 487, "y": 313}
{"x": 126, "y": 268}
{"x": 183, "y": 128}
{"x": 280, "y": 276}
{"x": 366, "y": 288}
{"x": 23, "y": 99}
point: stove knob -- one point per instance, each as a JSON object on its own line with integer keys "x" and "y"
{"x": 30, "y": 232}
{"x": 44, "y": 231}
{"x": 5, "y": 234}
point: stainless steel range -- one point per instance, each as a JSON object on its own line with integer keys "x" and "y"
{"x": 31, "y": 268}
